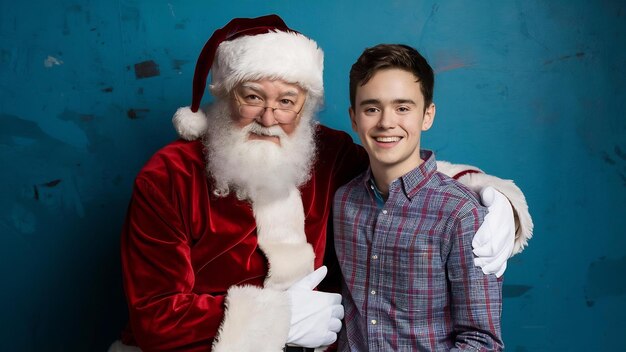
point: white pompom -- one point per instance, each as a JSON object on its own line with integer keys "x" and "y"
{"x": 189, "y": 125}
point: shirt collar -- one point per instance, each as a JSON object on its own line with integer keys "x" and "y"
{"x": 370, "y": 185}
{"x": 378, "y": 197}
{"x": 411, "y": 182}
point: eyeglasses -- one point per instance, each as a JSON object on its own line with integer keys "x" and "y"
{"x": 254, "y": 110}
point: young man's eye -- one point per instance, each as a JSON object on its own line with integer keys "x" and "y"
{"x": 403, "y": 109}
{"x": 371, "y": 111}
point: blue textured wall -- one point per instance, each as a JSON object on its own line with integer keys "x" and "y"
{"x": 529, "y": 90}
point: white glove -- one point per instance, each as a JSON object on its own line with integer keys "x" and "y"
{"x": 315, "y": 316}
{"x": 494, "y": 240}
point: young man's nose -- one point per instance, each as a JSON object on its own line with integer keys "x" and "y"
{"x": 387, "y": 119}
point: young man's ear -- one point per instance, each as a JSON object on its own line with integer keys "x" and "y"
{"x": 352, "y": 118}
{"x": 429, "y": 117}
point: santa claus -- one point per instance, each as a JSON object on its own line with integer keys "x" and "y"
{"x": 226, "y": 228}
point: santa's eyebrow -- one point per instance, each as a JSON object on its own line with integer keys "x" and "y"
{"x": 253, "y": 86}
{"x": 290, "y": 93}
{"x": 257, "y": 88}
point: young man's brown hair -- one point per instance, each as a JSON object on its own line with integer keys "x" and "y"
{"x": 387, "y": 56}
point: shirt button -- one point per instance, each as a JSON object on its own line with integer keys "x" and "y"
{"x": 373, "y": 292}
{"x": 374, "y": 257}
{"x": 374, "y": 322}
{"x": 385, "y": 211}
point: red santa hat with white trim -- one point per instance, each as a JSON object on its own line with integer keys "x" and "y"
{"x": 248, "y": 49}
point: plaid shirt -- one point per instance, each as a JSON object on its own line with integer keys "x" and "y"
{"x": 410, "y": 283}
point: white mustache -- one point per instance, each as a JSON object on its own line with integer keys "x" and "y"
{"x": 274, "y": 131}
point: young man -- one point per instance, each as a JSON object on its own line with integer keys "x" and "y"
{"x": 403, "y": 231}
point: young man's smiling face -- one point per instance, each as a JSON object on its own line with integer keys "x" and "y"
{"x": 389, "y": 116}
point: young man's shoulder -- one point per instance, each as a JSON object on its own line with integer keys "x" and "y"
{"x": 462, "y": 198}
{"x": 352, "y": 187}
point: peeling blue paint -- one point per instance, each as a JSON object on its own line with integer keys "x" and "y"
{"x": 528, "y": 90}
{"x": 23, "y": 220}
{"x": 605, "y": 278}
{"x": 509, "y": 291}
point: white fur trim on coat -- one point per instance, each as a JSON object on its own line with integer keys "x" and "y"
{"x": 255, "y": 320}
{"x": 288, "y": 263}
{"x": 118, "y": 346}
{"x": 478, "y": 181}
{"x": 280, "y": 231}
{"x": 283, "y": 55}
{"x": 190, "y": 125}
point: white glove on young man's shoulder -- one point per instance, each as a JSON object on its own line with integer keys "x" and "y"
{"x": 494, "y": 240}
{"x": 315, "y": 316}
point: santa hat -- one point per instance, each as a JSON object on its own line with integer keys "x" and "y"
{"x": 251, "y": 49}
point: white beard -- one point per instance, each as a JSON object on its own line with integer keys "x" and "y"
{"x": 257, "y": 169}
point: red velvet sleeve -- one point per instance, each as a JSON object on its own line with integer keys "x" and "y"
{"x": 350, "y": 160}
{"x": 158, "y": 278}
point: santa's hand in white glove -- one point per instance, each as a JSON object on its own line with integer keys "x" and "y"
{"x": 494, "y": 240}
{"x": 315, "y": 316}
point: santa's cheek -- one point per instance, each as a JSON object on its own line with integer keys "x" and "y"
{"x": 289, "y": 129}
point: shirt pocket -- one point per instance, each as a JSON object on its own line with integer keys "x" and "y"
{"x": 421, "y": 281}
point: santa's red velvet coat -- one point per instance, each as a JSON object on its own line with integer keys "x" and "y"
{"x": 183, "y": 247}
